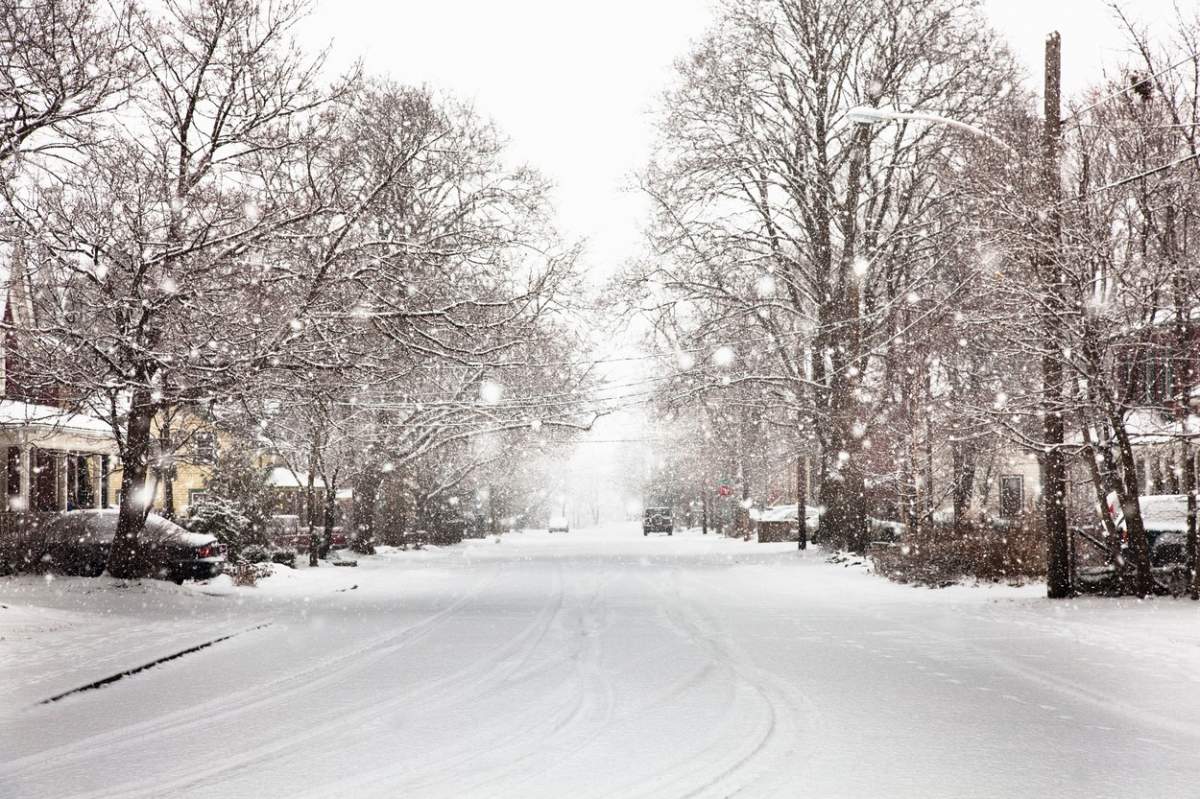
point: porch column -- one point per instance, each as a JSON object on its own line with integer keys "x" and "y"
{"x": 26, "y": 464}
{"x": 60, "y": 480}
{"x": 97, "y": 481}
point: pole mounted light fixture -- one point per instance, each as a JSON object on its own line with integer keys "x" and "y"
{"x": 869, "y": 115}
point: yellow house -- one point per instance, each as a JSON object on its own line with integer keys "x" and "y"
{"x": 188, "y": 445}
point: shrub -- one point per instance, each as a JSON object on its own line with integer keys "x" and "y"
{"x": 285, "y": 557}
{"x": 256, "y": 553}
{"x": 248, "y": 574}
{"x": 220, "y": 518}
{"x": 237, "y": 506}
{"x": 939, "y": 555}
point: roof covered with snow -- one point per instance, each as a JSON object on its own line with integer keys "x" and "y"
{"x": 283, "y": 477}
{"x": 55, "y": 428}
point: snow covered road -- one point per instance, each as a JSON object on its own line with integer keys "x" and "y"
{"x": 598, "y": 663}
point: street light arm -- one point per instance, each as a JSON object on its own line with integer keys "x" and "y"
{"x": 868, "y": 115}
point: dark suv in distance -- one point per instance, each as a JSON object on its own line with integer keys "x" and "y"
{"x": 658, "y": 520}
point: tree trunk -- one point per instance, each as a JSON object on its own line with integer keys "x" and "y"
{"x": 965, "y": 456}
{"x": 492, "y": 511}
{"x": 801, "y": 502}
{"x": 124, "y": 559}
{"x": 366, "y": 496}
{"x": 1104, "y": 485}
{"x": 310, "y": 509}
{"x": 1135, "y": 530}
{"x": 843, "y": 491}
{"x": 167, "y": 453}
{"x": 330, "y": 512}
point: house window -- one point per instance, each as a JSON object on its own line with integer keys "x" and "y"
{"x": 79, "y": 482}
{"x": 206, "y": 447}
{"x": 1012, "y": 496}
{"x": 196, "y": 496}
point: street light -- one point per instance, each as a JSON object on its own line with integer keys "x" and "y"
{"x": 869, "y": 115}
{"x": 1058, "y": 583}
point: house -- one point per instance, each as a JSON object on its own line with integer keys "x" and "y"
{"x": 55, "y": 458}
{"x": 291, "y": 492}
{"x": 186, "y": 447}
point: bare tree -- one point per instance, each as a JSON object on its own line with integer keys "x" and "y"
{"x": 165, "y": 254}
{"x": 760, "y": 176}
{"x": 65, "y": 62}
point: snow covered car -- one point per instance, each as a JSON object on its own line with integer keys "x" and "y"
{"x": 78, "y": 542}
{"x": 885, "y": 530}
{"x": 1165, "y": 518}
{"x": 558, "y": 524}
{"x": 658, "y": 520}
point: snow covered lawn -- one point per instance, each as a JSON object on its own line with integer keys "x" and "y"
{"x": 590, "y": 664}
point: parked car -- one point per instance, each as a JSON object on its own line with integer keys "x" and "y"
{"x": 658, "y": 520}
{"x": 558, "y": 524}
{"x": 885, "y": 530}
{"x": 78, "y": 542}
{"x": 1165, "y": 518}
{"x": 299, "y": 540}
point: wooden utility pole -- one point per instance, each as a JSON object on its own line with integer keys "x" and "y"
{"x": 1054, "y": 482}
{"x": 1182, "y": 364}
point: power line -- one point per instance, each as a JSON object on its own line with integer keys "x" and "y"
{"x": 1129, "y": 88}
{"x": 1140, "y": 176}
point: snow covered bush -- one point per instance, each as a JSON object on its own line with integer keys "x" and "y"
{"x": 220, "y": 518}
{"x": 248, "y": 574}
{"x": 237, "y": 505}
{"x": 256, "y": 553}
{"x": 940, "y": 555}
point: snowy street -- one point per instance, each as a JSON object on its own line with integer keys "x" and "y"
{"x": 597, "y": 663}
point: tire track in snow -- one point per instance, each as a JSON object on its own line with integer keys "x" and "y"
{"x": 520, "y": 743}
{"x": 481, "y": 676}
{"x": 719, "y": 759}
{"x": 592, "y": 714}
{"x": 776, "y": 740}
{"x": 281, "y": 688}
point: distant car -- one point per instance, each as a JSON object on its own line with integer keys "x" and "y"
{"x": 78, "y": 542}
{"x": 299, "y": 541}
{"x": 658, "y": 520}
{"x": 558, "y": 524}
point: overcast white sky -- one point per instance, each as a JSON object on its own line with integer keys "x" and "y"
{"x": 570, "y": 81}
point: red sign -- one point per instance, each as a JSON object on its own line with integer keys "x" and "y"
{"x": 724, "y": 491}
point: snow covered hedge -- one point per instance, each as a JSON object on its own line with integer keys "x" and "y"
{"x": 939, "y": 555}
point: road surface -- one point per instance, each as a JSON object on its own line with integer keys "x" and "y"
{"x": 597, "y": 663}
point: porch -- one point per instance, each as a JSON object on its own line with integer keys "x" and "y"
{"x": 54, "y": 461}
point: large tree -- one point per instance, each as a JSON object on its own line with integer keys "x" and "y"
{"x": 761, "y": 177}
